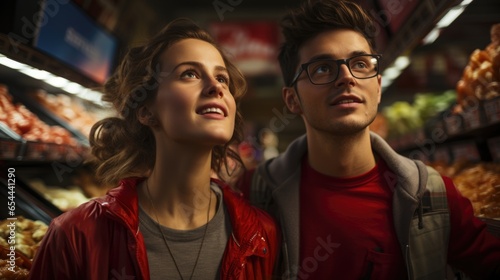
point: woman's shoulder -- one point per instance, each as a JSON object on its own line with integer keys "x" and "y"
{"x": 87, "y": 215}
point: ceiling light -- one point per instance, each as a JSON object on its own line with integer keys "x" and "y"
{"x": 73, "y": 88}
{"x": 56, "y": 81}
{"x": 431, "y": 37}
{"x": 11, "y": 63}
{"x": 36, "y": 73}
{"x": 451, "y": 16}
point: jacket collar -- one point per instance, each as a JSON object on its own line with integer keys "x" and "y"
{"x": 122, "y": 203}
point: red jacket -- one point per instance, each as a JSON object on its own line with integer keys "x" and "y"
{"x": 101, "y": 240}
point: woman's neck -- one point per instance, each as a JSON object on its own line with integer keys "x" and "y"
{"x": 178, "y": 189}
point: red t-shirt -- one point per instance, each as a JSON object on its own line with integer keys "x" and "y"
{"x": 347, "y": 230}
{"x": 346, "y": 227}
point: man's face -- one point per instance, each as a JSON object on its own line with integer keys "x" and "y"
{"x": 347, "y": 105}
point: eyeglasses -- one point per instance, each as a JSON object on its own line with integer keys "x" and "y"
{"x": 325, "y": 71}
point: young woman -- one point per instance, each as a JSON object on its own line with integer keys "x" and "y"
{"x": 177, "y": 101}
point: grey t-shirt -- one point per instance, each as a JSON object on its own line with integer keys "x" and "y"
{"x": 185, "y": 245}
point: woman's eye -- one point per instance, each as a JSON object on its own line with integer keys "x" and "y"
{"x": 223, "y": 79}
{"x": 191, "y": 74}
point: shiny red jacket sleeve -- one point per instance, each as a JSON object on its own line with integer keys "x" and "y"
{"x": 56, "y": 257}
{"x": 472, "y": 249}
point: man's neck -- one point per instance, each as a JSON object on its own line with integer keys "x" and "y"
{"x": 340, "y": 156}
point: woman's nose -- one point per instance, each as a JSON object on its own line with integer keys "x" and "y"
{"x": 214, "y": 88}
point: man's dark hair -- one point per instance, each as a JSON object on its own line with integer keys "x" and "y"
{"x": 314, "y": 17}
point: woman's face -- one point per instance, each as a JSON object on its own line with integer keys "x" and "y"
{"x": 193, "y": 104}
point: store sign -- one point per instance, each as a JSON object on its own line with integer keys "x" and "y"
{"x": 74, "y": 38}
{"x": 251, "y": 45}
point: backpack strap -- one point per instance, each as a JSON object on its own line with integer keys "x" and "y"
{"x": 429, "y": 243}
{"x": 260, "y": 193}
{"x": 434, "y": 198}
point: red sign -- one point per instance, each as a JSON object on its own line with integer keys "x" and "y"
{"x": 251, "y": 45}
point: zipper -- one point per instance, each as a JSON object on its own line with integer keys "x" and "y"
{"x": 233, "y": 266}
{"x": 408, "y": 264}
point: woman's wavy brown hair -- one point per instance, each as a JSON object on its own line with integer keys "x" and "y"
{"x": 122, "y": 146}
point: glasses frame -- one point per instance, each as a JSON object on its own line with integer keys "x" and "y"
{"x": 339, "y": 62}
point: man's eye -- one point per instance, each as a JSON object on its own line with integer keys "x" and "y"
{"x": 323, "y": 68}
{"x": 359, "y": 65}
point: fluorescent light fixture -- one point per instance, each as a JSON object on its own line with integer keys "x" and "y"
{"x": 445, "y": 21}
{"x": 12, "y": 63}
{"x": 36, "y": 73}
{"x": 402, "y": 62}
{"x": 83, "y": 93}
{"x": 73, "y": 88}
{"x": 91, "y": 95}
{"x": 431, "y": 37}
{"x": 58, "y": 82}
{"x": 450, "y": 17}
{"x": 391, "y": 73}
{"x": 51, "y": 79}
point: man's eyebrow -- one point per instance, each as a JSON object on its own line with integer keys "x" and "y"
{"x": 329, "y": 56}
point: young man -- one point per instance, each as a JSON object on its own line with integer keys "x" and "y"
{"x": 349, "y": 206}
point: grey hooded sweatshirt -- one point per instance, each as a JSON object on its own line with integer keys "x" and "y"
{"x": 275, "y": 188}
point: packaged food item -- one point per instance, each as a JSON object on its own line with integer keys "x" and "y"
{"x": 481, "y": 77}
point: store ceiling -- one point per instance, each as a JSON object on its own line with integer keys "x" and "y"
{"x": 469, "y": 31}
{"x": 470, "y": 28}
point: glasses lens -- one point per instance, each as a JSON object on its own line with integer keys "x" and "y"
{"x": 322, "y": 71}
{"x": 326, "y": 71}
{"x": 364, "y": 66}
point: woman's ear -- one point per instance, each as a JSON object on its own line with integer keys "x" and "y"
{"x": 291, "y": 99}
{"x": 146, "y": 117}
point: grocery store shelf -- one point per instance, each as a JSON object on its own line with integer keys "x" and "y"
{"x": 29, "y": 203}
{"x": 14, "y": 148}
{"x": 28, "y": 55}
{"x": 45, "y": 115}
{"x": 459, "y": 131}
{"x": 420, "y": 22}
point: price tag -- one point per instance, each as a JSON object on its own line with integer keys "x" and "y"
{"x": 453, "y": 124}
{"x": 472, "y": 118}
{"x": 8, "y": 149}
{"x": 442, "y": 155}
{"x": 35, "y": 150}
{"x": 54, "y": 151}
{"x": 494, "y": 147}
{"x": 419, "y": 136}
{"x": 465, "y": 151}
{"x": 492, "y": 110}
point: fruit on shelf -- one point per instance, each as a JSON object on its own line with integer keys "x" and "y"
{"x": 68, "y": 109}
{"x": 23, "y": 122}
{"x": 403, "y": 117}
